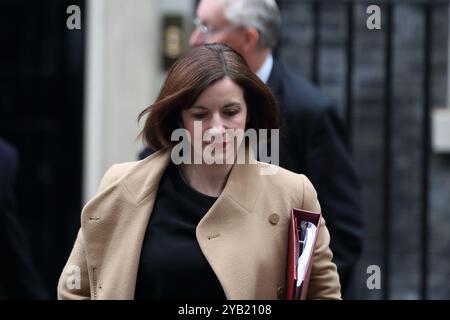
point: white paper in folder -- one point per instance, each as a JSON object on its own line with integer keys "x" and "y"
{"x": 306, "y": 247}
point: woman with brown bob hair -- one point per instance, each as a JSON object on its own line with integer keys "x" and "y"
{"x": 190, "y": 76}
{"x": 164, "y": 229}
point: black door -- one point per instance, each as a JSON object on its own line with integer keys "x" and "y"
{"x": 41, "y": 115}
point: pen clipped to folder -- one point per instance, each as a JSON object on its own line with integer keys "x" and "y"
{"x": 303, "y": 231}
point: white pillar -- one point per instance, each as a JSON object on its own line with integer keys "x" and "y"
{"x": 123, "y": 76}
{"x": 122, "y": 71}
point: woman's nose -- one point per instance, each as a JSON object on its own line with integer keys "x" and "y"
{"x": 216, "y": 130}
{"x": 216, "y": 126}
{"x": 217, "y": 121}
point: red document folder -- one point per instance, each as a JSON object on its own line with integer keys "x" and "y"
{"x": 297, "y": 216}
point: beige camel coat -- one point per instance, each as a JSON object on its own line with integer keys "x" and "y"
{"x": 243, "y": 235}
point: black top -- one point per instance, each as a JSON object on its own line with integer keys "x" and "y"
{"x": 172, "y": 265}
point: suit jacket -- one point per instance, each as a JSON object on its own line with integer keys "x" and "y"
{"x": 18, "y": 276}
{"x": 244, "y": 235}
{"x": 313, "y": 141}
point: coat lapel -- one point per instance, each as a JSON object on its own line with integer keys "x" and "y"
{"x": 221, "y": 232}
{"x": 114, "y": 225}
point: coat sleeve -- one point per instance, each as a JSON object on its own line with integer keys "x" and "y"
{"x": 324, "y": 282}
{"x": 74, "y": 281}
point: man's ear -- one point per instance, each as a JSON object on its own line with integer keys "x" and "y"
{"x": 251, "y": 38}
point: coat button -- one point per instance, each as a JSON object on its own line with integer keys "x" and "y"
{"x": 274, "y": 218}
{"x": 280, "y": 293}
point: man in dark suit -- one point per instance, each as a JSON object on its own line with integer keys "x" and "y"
{"x": 18, "y": 277}
{"x": 312, "y": 137}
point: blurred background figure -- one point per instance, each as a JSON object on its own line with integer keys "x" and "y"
{"x": 18, "y": 276}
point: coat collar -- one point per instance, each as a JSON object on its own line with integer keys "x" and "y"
{"x": 143, "y": 182}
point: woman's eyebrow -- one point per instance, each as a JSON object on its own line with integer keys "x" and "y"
{"x": 232, "y": 104}
{"x": 198, "y": 107}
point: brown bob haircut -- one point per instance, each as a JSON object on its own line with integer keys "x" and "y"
{"x": 189, "y": 76}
